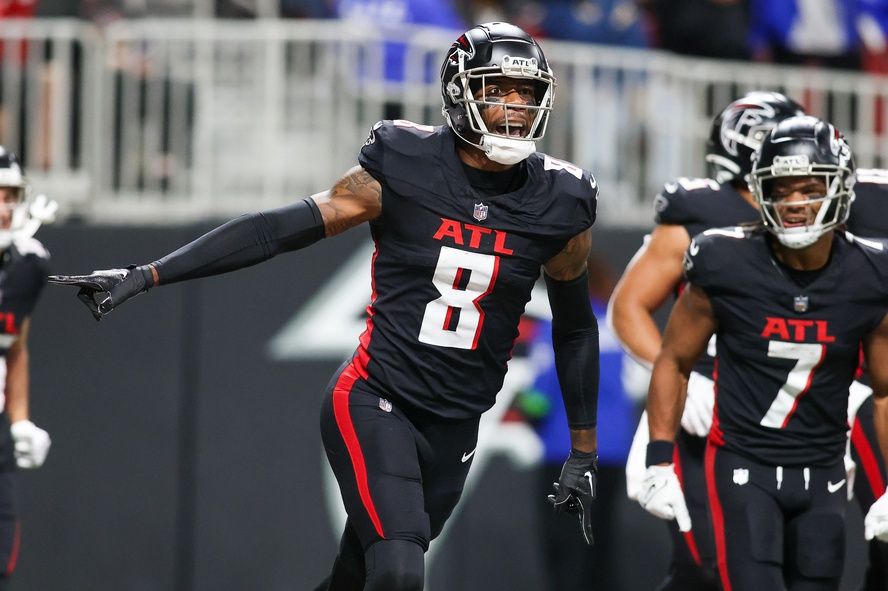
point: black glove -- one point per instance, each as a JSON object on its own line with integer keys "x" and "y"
{"x": 576, "y": 489}
{"x": 102, "y": 291}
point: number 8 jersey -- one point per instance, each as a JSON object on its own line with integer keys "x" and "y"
{"x": 788, "y": 341}
{"x": 453, "y": 268}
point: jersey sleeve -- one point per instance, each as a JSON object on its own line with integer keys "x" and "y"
{"x": 37, "y": 265}
{"x": 372, "y": 154}
{"x": 587, "y": 203}
{"x": 706, "y": 261}
{"x": 675, "y": 203}
{"x": 395, "y": 150}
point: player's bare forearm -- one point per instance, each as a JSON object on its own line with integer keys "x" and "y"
{"x": 690, "y": 326}
{"x": 570, "y": 263}
{"x": 875, "y": 349}
{"x": 666, "y": 399}
{"x": 647, "y": 282}
{"x": 17, "y": 377}
{"x": 585, "y": 440}
{"x": 354, "y": 199}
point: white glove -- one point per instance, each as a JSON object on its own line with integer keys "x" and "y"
{"x": 42, "y": 210}
{"x": 697, "y": 416}
{"x": 31, "y": 444}
{"x": 635, "y": 468}
{"x": 850, "y": 472}
{"x": 875, "y": 524}
{"x": 661, "y": 495}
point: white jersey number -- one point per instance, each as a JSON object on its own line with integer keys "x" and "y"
{"x": 455, "y": 319}
{"x": 808, "y": 357}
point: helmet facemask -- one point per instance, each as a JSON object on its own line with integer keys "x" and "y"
{"x": 834, "y": 205}
{"x": 466, "y": 101}
{"x": 14, "y": 202}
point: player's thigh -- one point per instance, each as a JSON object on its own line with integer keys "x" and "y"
{"x": 871, "y": 477}
{"x": 371, "y": 447}
{"x": 815, "y": 538}
{"x": 447, "y": 451}
{"x": 747, "y": 522}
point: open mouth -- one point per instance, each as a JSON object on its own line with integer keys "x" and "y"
{"x": 513, "y": 129}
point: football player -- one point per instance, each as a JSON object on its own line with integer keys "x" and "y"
{"x": 791, "y": 301}
{"x": 867, "y": 477}
{"x": 684, "y": 208}
{"x": 464, "y": 217}
{"x": 23, "y": 272}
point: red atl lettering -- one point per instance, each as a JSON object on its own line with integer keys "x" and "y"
{"x": 780, "y": 328}
{"x": 449, "y": 228}
{"x": 459, "y": 232}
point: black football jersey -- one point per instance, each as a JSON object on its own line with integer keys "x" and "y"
{"x": 869, "y": 212}
{"x": 700, "y": 204}
{"x": 788, "y": 341}
{"x": 23, "y": 273}
{"x": 453, "y": 269}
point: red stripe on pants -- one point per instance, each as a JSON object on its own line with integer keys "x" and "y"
{"x": 868, "y": 459}
{"x": 347, "y": 429}
{"x": 688, "y": 535}
{"x": 718, "y": 518}
{"x": 16, "y": 544}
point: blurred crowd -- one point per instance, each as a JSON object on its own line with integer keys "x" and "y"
{"x": 831, "y": 33}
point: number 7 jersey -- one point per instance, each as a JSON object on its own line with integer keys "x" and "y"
{"x": 788, "y": 341}
{"x": 453, "y": 268}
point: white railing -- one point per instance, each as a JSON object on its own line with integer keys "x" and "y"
{"x": 174, "y": 120}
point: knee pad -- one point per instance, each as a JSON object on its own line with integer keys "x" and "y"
{"x": 819, "y": 545}
{"x": 395, "y": 565}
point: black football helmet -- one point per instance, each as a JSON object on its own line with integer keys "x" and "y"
{"x": 12, "y": 176}
{"x": 739, "y": 129}
{"x": 487, "y": 51}
{"x": 804, "y": 146}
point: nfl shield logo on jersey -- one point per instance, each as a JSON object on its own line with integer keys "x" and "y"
{"x": 800, "y": 304}
{"x": 480, "y": 212}
{"x": 741, "y": 476}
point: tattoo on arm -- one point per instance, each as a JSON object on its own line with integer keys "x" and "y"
{"x": 353, "y": 200}
{"x": 571, "y": 261}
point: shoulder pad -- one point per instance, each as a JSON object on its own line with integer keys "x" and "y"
{"x": 31, "y": 246}
{"x": 571, "y": 180}
{"x": 876, "y": 244}
{"x": 878, "y": 176}
{"x": 390, "y": 140}
{"x": 675, "y": 204}
{"x": 711, "y": 251}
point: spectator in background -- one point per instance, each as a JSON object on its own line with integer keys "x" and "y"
{"x": 306, "y": 9}
{"x": 707, "y": 28}
{"x": 608, "y": 22}
{"x": 814, "y": 32}
{"x": 571, "y": 566}
{"x": 872, "y": 27}
{"x": 393, "y": 18}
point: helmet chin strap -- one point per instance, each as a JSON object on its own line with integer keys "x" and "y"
{"x": 800, "y": 240}
{"x": 506, "y": 150}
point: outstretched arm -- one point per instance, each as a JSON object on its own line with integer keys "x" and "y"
{"x": 242, "y": 242}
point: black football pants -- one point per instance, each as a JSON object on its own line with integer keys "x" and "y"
{"x": 399, "y": 476}
{"x": 776, "y": 528}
